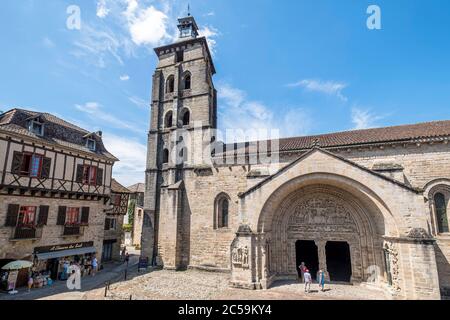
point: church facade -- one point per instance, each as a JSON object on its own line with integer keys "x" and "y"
{"x": 367, "y": 207}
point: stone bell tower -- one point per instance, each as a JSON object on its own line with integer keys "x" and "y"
{"x": 183, "y": 122}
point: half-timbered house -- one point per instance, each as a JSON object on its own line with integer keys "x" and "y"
{"x": 55, "y": 185}
{"x": 114, "y": 221}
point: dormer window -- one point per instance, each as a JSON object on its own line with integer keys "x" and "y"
{"x": 90, "y": 143}
{"x": 37, "y": 128}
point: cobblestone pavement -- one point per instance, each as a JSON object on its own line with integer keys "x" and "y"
{"x": 188, "y": 285}
{"x": 202, "y": 285}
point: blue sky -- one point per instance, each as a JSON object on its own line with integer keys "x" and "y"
{"x": 302, "y": 66}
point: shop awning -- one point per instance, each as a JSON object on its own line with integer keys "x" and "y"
{"x": 65, "y": 253}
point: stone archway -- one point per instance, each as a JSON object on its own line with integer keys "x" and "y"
{"x": 388, "y": 220}
{"x": 323, "y": 214}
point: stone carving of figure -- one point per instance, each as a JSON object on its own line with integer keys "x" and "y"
{"x": 393, "y": 255}
{"x": 234, "y": 255}
{"x": 245, "y": 256}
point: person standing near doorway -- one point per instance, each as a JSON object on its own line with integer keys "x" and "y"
{"x": 321, "y": 280}
{"x": 308, "y": 279}
{"x": 94, "y": 265}
{"x": 30, "y": 281}
{"x": 302, "y": 268}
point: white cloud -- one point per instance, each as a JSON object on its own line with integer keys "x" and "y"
{"x": 364, "y": 119}
{"x": 131, "y": 25}
{"x": 90, "y": 107}
{"x": 237, "y": 112}
{"x": 210, "y": 33}
{"x": 97, "y": 45}
{"x": 326, "y": 87}
{"x": 132, "y": 155}
{"x": 102, "y": 9}
{"x": 95, "y": 112}
{"x": 210, "y": 14}
{"x": 147, "y": 26}
{"x": 125, "y": 77}
{"x": 48, "y": 43}
{"x": 139, "y": 102}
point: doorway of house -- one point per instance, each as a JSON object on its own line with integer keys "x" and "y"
{"x": 53, "y": 266}
{"x": 339, "y": 263}
{"x": 306, "y": 251}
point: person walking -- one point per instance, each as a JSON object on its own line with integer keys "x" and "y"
{"x": 321, "y": 280}
{"x": 65, "y": 273}
{"x": 94, "y": 265}
{"x": 302, "y": 268}
{"x": 124, "y": 252}
{"x": 308, "y": 279}
{"x": 127, "y": 258}
{"x": 30, "y": 282}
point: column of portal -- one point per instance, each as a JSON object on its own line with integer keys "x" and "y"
{"x": 322, "y": 256}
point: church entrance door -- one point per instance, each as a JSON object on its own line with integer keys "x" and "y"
{"x": 339, "y": 264}
{"x": 307, "y": 252}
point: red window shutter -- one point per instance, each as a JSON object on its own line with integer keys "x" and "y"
{"x": 85, "y": 215}
{"x": 12, "y": 215}
{"x": 92, "y": 176}
{"x": 61, "y": 216}
{"x": 43, "y": 216}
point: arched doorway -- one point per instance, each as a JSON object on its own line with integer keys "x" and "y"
{"x": 327, "y": 228}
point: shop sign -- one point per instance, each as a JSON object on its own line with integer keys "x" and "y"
{"x": 12, "y": 279}
{"x": 62, "y": 247}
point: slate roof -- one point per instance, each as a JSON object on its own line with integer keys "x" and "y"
{"x": 116, "y": 187}
{"x": 438, "y": 130}
{"x": 137, "y": 188}
{"x": 56, "y": 131}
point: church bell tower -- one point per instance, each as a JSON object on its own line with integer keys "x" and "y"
{"x": 182, "y": 125}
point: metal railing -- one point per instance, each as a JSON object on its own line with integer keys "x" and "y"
{"x": 26, "y": 233}
{"x": 73, "y": 231}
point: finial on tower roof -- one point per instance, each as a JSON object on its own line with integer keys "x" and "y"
{"x": 187, "y": 26}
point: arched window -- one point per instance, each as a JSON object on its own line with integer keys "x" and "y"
{"x": 165, "y": 156}
{"x": 183, "y": 156}
{"x": 168, "y": 120}
{"x": 187, "y": 81}
{"x": 185, "y": 117}
{"x": 441, "y": 212}
{"x": 170, "y": 84}
{"x": 147, "y": 223}
{"x": 221, "y": 216}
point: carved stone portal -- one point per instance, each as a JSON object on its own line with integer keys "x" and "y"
{"x": 321, "y": 214}
{"x": 240, "y": 257}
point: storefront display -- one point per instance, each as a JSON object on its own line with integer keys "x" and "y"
{"x": 56, "y": 260}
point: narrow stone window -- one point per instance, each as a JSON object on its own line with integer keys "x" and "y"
{"x": 168, "y": 120}
{"x": 187, "y": 81}
{"x": 441, "y": 212}
{"x": 183, "y": 156}
{"x": 165, "y": 156}
{"x": 221, "y": 216}
{"x": 185, "y": 117}
{"x": 170, "y": 84}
